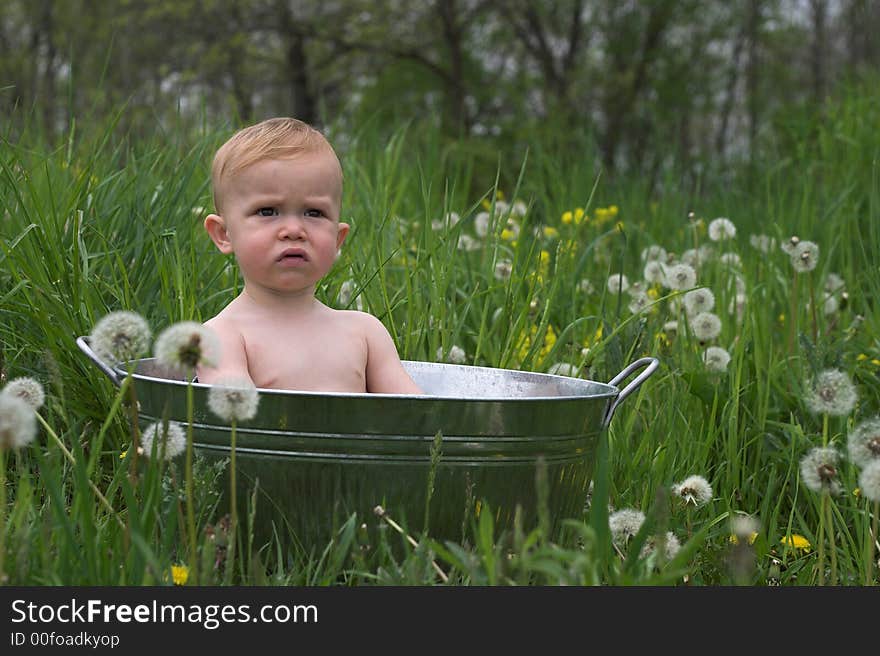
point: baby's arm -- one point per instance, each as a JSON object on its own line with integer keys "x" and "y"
{"x": 385, "y": 373}
{"x": 233, "y": 358}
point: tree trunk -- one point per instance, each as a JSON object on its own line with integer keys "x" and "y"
{"x": 819, "y": 50}
{"x": 454, "y": 83}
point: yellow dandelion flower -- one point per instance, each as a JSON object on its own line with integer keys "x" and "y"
{"x": 508, "y": 235}
{"x": 601, "y": 215}
{"x": 122, "y": 455}
{"x": 579, "y": 215}
{"x": 861, "y": 357}
{"x": 179, "y": 574}
{"x": 662, "y": 338}
{"x": 857, "y": 492}
{"x": 545, "y": 257}
{"x": 653, "y": 293}
{"x": 796, "y": 541}
{"x": 781, "y": 318}
{"x": 875, "y": 362}
{"x": 550, "y": 232}
{"x": 567, "y": 217}
{"x": 613, "y": 210}
{"x": 486, "y": 204}
{"x": 499, "y": 195}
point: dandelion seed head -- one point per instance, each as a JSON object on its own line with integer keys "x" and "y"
{"x": 187, "y": 344}
{"x": 654, "y": 271}
{"x": 503, "y": 269}
{"x": 863, "y": 443}
{"x": 120, "y": 336}
{"x": 671, "y": 545}
{"x": 618, "y": 283}
{"x": 832, "y": 393}
{"x": 744, "y": 527}
{"x": 762, "y": 243}
{"x": 831, "y": 305}
{"x": 654, "y": 253}
{"x": 18, "y": 422}
{"x": 716, "y": 359}
{"x": 481, "y": 224}
{"x": 448, "y": 221}
{"x": 721, "y": 228}
{"x": 699, "y": 300}
{"x": 586, "y": 286}
{"x": 624, "y": 524}
{"x": 234, "y": 399}
{"x": 705, "y": 326}
{"x": 456, "y": 355}
{"x": 819, "y": 470}
{"x": 790, "y": 244}
{"x": 563, "y": 369}
{"x": 731, "y": 260}
{"x": 28, "y": 390}
{"x": 639, "y": 303}
{"x": 693, "y": 490}
{"x": 468, "y": 243}
{"x": 805, "y": 256}
{"x": 173, "y": 442}
{"x": 680, "y": 277}
{"x": 869, "y": 481}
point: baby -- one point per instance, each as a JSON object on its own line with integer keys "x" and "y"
{"x": 278, "y": 195}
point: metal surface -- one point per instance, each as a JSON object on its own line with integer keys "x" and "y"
{"x": 318, "y": 457}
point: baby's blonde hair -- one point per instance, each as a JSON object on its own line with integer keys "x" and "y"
{"x": 274, "y": 138}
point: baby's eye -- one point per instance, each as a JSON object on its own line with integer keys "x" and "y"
{"x": 267, "y": 211}
{"x": 314, "y": 212}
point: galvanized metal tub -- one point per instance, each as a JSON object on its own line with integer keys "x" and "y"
{"x": 318, "y": 457}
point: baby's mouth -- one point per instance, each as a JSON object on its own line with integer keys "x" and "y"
{"x": 293, "y": 255}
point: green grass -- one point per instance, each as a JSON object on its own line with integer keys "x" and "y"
{"x": 103, "y": 223}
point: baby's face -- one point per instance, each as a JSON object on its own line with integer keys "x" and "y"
{"x": 281, "y": 218}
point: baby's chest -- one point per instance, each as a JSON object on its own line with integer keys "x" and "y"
{"x": 327, "y": 359}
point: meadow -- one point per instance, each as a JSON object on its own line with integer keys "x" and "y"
{"x": 750, "y": 458}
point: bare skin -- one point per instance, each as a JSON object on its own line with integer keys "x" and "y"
{"x": 306, "y": 346}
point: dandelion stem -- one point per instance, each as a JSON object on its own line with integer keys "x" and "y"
{"x": 190, "y": 509}
{"x": 813, "y": 309}
{"x": 792, "y": 320}
{"x": 833, "y": 546}
{"x": 233, "y": 502}
{"x": 824, "y": 501}
{"x": 380, "y": 512}
{"x": 869, "y": 552}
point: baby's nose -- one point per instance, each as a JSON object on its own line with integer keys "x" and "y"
{"x": 292, "y": 226}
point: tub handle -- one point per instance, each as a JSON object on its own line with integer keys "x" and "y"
{"x": 85, "y": 347}
{"x": 650, "y": 366}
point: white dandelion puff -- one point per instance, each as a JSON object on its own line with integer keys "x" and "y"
{"x": 671, "y": 545}
{"x": 586, "y": 286}
{"x": 834, "y": 283}
{"x": 519, "y": 208}
{"x": 762, "y": 243}
{"x": 640, "y": 303}
{"x": 563, "y": 369}
{"x": 187, "y": 344}
{"x": 680, "y": 277}
{"x": 863, "y": 443}
{"x": 120, "y": 336}
{"x": 481, "y": 224}
{"x": 832, "y": 392}
{"x": 168, "y": 443}
{"x": 705, "y": 326}
{"x": 831, "y": 305}
{"x": 456, "y": 355}
{"x": 467, "y": 243}
{"x": 654, "y": 271}
{"x": 28, "y": 390}
{"x": 805, "y": 256}
{"x": 790, "y": 244}
{"x": 694, "y": 490}
{"x": 624, "y": 525}
{"x": 721, "y": 228}
{"x": 18, "y": 422}
{"x": 617, "y": 283}
{"x": 731, "y": 260}
{"x": 744, "y": 528}
{"x": 869, "y": 481}
{"x": 503, "y": 269}
{"x": 716, "y": 359}
{"x": 699, "y": 300}
{"x": 234, "y": 399}
{"x": 819, "y": 470}
{"x": 448, "y": 221}
{"x": 654, "y": 253}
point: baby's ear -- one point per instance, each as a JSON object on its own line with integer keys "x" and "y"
{"x": 341, "y": 235}
{"x": 216, "y": 229}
